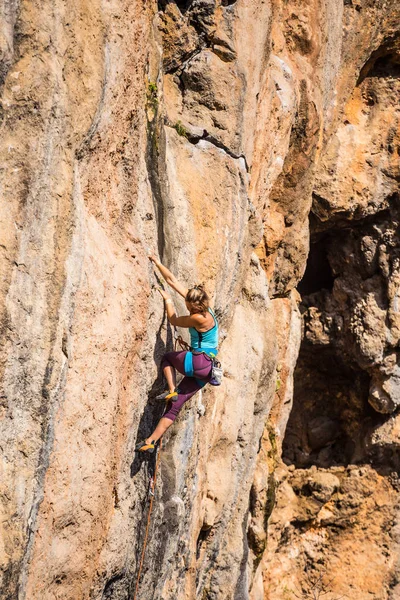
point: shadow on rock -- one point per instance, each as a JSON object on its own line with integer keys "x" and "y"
{"x": 154, "y": 409}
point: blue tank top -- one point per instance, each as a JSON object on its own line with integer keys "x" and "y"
{"x": 206, "y": 341}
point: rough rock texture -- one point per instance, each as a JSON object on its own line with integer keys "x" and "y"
{"x": 333, "y": 534}
{"x": 346, "y": 390}
{"x": 206, "y": 131}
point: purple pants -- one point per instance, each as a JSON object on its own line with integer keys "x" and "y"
{"x": 188, "y": 386}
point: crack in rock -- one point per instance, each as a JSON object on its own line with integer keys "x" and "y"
{"x": 194, "y": 139}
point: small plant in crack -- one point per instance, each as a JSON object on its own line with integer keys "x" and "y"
{"x": 181, "y": 129}
{"x": 152, "y": 92}
{"x": 152, "y": 112}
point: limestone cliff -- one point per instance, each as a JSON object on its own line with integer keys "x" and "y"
{"x": 235, "y": 139}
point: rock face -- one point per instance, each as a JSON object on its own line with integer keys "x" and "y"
{"x": 332, "y": 534}
{"x": 236, "y": 139}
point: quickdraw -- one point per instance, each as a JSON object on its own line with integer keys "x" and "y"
{"x": 179, "y": 340}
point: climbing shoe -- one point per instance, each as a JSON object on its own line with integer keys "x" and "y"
{"x": 145, "y": 446}
{"x": 168, "y": 396}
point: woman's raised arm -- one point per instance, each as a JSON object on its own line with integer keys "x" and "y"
{"x": 169, "y": 277}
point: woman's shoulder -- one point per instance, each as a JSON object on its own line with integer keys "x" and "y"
{"x": 199, "y": 318}
{"x": 212, "y": 312}
{"x": 203, "y": 321}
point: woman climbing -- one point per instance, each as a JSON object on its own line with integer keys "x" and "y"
{"x": 195, "y": 363}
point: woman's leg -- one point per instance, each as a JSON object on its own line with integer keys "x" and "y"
{"x": 159, "y": 431}
{"x": 170, "y": 362}
{"x": 187, "y": 388}
{"x": 170, "y": 376}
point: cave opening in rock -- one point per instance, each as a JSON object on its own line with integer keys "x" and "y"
{"x": 316, "y": 433}
{"x": 183, "y": 5}
{"x": 384, "y": 62}
{"x": 344, "y": 302}
{"x": 386, "y": 66}
{"x": 318, "y": 274}
{"x": 330, "y": 413}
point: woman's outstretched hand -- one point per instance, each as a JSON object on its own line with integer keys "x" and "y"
{"x": 168, "y": 277}
{"x": 163, "y": 293}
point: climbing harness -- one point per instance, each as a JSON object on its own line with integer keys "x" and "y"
{"x": 151, "y": 492}
{"x": 216, "y": 370}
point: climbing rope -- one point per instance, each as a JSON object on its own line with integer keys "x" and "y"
{"x": 152, "y": 486}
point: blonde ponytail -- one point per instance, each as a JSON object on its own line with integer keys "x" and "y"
{"x": 198, "y": 299}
